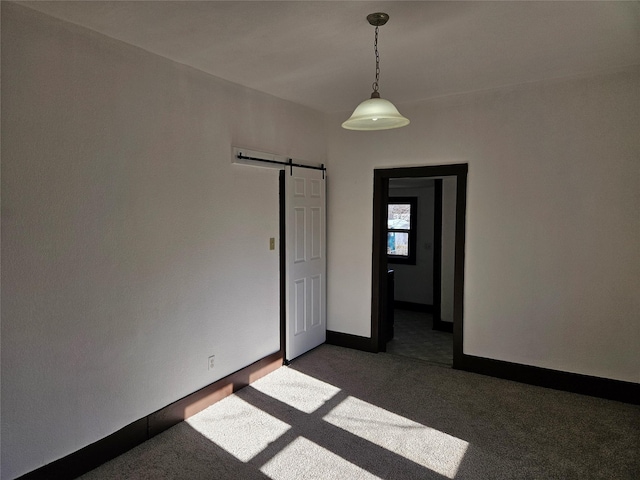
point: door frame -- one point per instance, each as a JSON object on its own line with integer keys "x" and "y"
{"x": 438, "y": 324}
{"x": 283, "y": 265}
{"x": 379, "y": 284}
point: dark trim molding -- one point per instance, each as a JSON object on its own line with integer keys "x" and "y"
{"x": 606, "y": 388}
{"x": 355, "y": 342}
{"x": 458, "y": 275}
{"x": 94, "y": 455}
{"x": 609, "y": 389}
{"x": 282, "y": 261}
{"x": 412, "y": 306}
{"x": 437, "y": 250}
{"x": 379, "y": 265}
{"x": 184, "y": 408}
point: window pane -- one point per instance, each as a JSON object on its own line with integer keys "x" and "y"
{"x": 398, "y": 243}
{"x": 399, "y": 216}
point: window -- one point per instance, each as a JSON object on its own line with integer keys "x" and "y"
{"x": 401, "y": 230}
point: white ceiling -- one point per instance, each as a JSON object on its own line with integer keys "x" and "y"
{"x": 320, "y": 53}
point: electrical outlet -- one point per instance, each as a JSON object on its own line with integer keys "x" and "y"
{"x": 211, "y": 362}
{"x": 272, "y": 243}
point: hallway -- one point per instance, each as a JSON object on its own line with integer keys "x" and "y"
{"x": 414, "y": 337}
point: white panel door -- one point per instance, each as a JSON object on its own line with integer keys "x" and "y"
{"x": 306, "y": 265}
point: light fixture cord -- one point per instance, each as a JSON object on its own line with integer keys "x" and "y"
{"x": 375, "y": 47}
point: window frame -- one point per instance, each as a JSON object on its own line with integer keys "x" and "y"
{"x": 412, "y": 230}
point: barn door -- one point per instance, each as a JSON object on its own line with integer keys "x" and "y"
{"x": 306, "y": 266}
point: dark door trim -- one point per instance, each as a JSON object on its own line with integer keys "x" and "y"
{"x": 379, "y": 268}
{"x": 437, "y": 255}
{"x": 379, "y": 287}
{"x": 282, "y": 263}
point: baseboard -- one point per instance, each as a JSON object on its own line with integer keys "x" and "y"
{"x": 184, "y": 408}
{"x": 414, "y": 307}
{"x": 94, "y": 455}
{"x": 347, "y": 340}
{"x": 609, "y": 389}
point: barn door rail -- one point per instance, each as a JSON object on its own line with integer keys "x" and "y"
{"x": 253, "y": 157}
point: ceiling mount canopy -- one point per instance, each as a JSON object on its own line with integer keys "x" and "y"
{"x": 376, "y": 113}
{"x": 377, "y": 19}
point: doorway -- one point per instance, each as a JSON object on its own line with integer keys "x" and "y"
{"x": 416, "y": 242}
{"x": 382, "y": 282}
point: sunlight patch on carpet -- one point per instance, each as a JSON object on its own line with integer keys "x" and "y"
{"x": 425, "y": 446}
{"x": 239, "y": 428}
{"x": 297, "y": 390}
{"x": 303, "y": 458}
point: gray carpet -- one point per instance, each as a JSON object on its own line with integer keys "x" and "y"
{"x": 336, "y": 413}
{"x": 414, "y": 337}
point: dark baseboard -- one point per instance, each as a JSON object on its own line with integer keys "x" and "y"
{"x": 414, "y": 307}
{"x": 94, "y": 455}
{"x": 347, "y": 340}
{"x": 184, "y": 408}
{"x": 609, "y": 389}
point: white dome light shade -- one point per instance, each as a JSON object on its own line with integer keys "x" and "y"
{"x": 375, "y": 114}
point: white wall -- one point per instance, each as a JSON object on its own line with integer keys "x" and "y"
{"x": 132, "y": 249}
{"x": 414, "y": 283}
{"x": 552, "y": 272}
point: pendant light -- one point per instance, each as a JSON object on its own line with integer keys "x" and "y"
{"x": 376, "y": 113}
